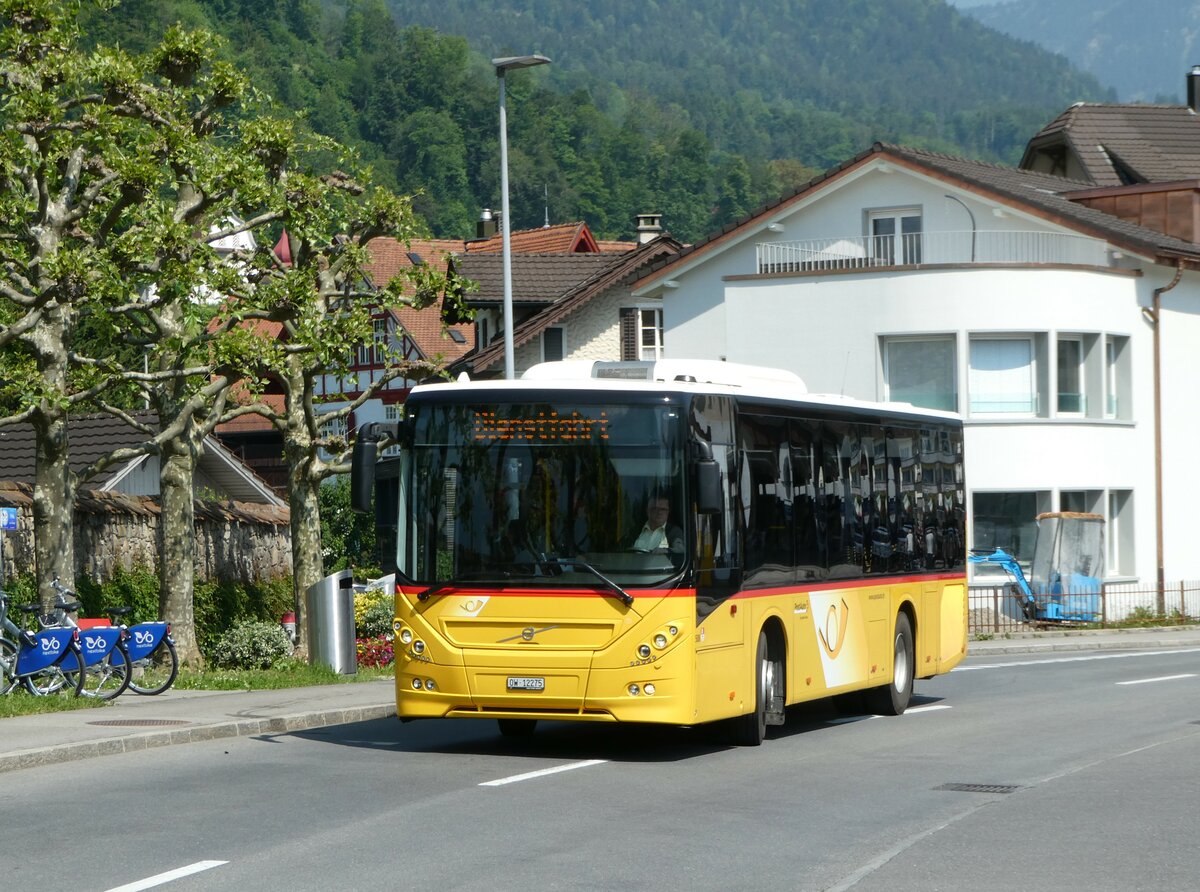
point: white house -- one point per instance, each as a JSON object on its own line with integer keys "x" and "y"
{"x": 999, "y": 293}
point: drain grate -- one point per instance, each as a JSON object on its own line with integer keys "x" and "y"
{"x": 139, "y": 723}
{"x": 979, "y": 788}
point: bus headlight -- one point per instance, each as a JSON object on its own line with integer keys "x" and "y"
{"x": 634, "y": 690}
{"x": 406, "y": 635}
{"x": 429, "y": 685}
{"x": 418, "y": 647}
{"x": 416, "y": 683}
{"x": 648, "y": 689}
{"x": 643, "y": 650}
{"x": 660, "y": 640}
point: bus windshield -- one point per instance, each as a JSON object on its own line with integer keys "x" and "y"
{"x": 551, "y": 492}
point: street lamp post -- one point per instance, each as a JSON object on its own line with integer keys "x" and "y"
{"x": 504, "y": 65}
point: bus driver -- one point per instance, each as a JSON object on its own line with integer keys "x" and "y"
{"x": 657, "y": 535}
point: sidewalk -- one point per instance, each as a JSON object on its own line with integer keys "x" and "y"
{"x": 1051, "y": 641}
{"x": 133, "y": 723}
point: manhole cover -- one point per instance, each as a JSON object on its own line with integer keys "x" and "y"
{"x": 979, "y": 788}
{"x": 139, "y": 723}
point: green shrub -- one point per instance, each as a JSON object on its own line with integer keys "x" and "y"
{"x": 251, "y": 644}
{"x": 136, "y": 588}
{"x": 376, "y": 619}
{"x": 219, "y": 605}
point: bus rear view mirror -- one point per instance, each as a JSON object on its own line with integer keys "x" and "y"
{"x": 362, "y": 462}
{"x": 709, "y": 498}
{"x": 362, "y": 470}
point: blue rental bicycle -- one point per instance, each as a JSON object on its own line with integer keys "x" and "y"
{"x": 46, "y": 662}
{"x": 108, "y": 667}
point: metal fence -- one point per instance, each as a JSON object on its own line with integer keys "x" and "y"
{"x": 996, "y": 609}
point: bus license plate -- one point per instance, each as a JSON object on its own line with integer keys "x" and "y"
{"x": 526, "y": 683}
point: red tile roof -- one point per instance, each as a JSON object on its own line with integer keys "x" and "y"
{"x": 564, "y": 238}
{"x": 388, "y": 258}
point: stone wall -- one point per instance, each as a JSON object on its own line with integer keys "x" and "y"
{"x": 234, "y": 540}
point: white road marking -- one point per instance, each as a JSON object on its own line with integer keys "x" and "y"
{"x": 1087, "y": 659}
{"x": 933, "y": 707}
{"x": 530, "y": 775}
{"x": 161, "y": 878}
{"x": 1160, "y": 678}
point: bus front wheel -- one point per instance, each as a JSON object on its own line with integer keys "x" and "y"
{"x": 892, "y": 698}
{"x": 751, "y": 728}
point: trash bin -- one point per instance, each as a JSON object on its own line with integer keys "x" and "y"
{"x": 330, "y": 605}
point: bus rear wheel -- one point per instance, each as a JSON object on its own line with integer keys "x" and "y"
{"x": 892, "y": 698}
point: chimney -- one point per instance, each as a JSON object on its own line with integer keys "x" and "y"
{"x": 1193, "y": 89}
{"x": 649, "y": 227}
{"x": 486, "y": 227}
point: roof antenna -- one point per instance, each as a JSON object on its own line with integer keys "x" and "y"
{"x": 546, "y": 194}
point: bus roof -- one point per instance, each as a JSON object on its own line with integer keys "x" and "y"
{"x": 682, "y": 376}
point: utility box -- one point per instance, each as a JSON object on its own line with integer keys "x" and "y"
{"x": 330, "y": 607}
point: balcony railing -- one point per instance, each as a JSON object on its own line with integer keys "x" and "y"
{"x": 925, "y": 248}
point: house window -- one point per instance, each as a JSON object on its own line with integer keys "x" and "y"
{"x": 1118, "y": 533}
{"x": 553, "y": 345}
{"x": 650, "y": 333}
{"x": 374, "y": 351}
{"x": 481, "y": 332}
{"x": 1002, "y": 379}
{"x": 921, "y": 371}
{"x": 1071, "y": 398}
{"x": 1005, "y": 520}
{"x": 895, "y": 236}
{"x": 392, "y": 413}
{"x": 1117, "y": 403}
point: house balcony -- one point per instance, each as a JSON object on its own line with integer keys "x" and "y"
{"x": 932, "y": 249}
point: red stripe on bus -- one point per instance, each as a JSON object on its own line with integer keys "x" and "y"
{"x": 808, "y": 586}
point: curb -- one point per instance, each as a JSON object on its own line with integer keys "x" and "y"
{"x": 70, "y": 752}
{"x": 1114, "y": 639}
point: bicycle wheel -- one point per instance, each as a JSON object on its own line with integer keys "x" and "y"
{"x": 155, "y": 672}
{"x": 64, "y": 677}
{"x": 8, "y": 666}
{"x": 108, "y": 678}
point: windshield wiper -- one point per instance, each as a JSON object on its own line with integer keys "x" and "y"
{"x": 570, "y": 563}
{"x": 446, "y": 585}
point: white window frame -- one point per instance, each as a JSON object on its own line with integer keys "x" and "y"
{"x": 977, "y": 390}
{"x": 373, "y": 352}
{"x": 1118, "y": 533}
{"x": 1117, "y": 369}
{"x": 655, "y": 350}
{"x": 882, "y": 246}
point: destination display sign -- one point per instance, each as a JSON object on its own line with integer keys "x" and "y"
{"x": 541, "y": 427}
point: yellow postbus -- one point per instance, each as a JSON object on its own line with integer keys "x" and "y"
{"x": 677, "y": 542}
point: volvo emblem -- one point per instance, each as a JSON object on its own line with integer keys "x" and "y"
{"x": 527, "y": 634}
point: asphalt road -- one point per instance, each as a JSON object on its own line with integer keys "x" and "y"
{"x": 1067, "y": 772}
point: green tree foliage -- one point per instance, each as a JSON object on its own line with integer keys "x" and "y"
{"x": 649, "y": 103}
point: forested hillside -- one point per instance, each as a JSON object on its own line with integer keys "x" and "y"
{"x": 699, "y": 109}
{"x": 1143, "y": 48}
